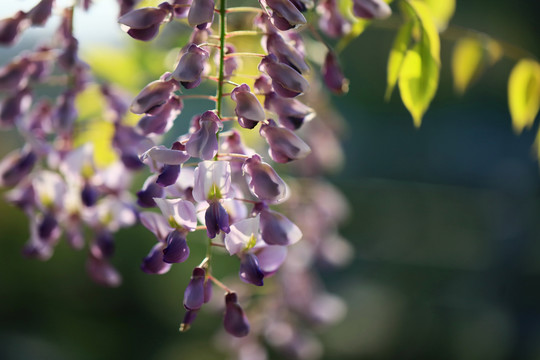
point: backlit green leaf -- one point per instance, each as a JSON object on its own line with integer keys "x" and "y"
{"x": 524, "y": 93}
{"x": 419, "y": 74}
{"x": 442, "y": 11}
{"x": 397, "y": 54}
{"x": 418, "y": 80}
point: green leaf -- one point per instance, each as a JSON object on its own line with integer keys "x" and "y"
{"x": 418, "y": 80}
{"x": 441, "y": 11}
{"x": 524, "y": 93}
{"x": 419, "y": 74}
{"x": 467, "y": 61}
{"x": 397, "y": 54}
{"x": 422, "y": 13}
{"x": 470, "y": 57}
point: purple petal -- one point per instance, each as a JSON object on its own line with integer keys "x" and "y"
{"x": 276, "y": 229}
{"x": 153, "y": 263}
{"x": 333, "y": 76}
{"x": 145, "y": 197}
{"x": 235, "y": 321}
{"x": 286, "y": 81}
{"x": 201, "y": 13}
{"x": 168, "y": 175}
{"x": 371, "y": 9}
{"x": 89, "y": 195}
{"x": 203, "y": 142}
{"x": 177, "y": 250}
{"x": 154, "y": 94}
{"x": 271, "y": 258}
{"x": 216, "y": 220}
{"x": 285, "y": 146}
{"x": 189, "y": 318}
{"x": 264, "y": 182}
{"x": 103, "y": 245}
{"x": 191, "y": 65}
{"x": 102, "y": 272}
{"x": 250, "y": 272}
{"x": 194, "y": 294}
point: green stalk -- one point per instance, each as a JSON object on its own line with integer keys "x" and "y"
{"x": 222, "y": 33}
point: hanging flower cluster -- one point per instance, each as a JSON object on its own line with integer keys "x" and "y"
{"x": 205, "y": 180}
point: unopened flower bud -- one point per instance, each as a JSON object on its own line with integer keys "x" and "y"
{"x": 12, "y": 27}
{"x": 102, "y": 272}
{"x": 40, "y": 13}
{"x": 285, "y": 146}
{"x": 189, "y": 318}
{"x": 248, "y": 108}
{"x": 153, "y": 95}
{"x": 292, "y": 113}
{"x": 286, "y": 81}
{"x": 161, "y": 119}
{"x": 286, "y": 53}
{"x": 283, "y": 14}
{"x": 15, "y": 74}
{"x": 177, "y": 249}
{"x": 14, "y": 106}
{"x": 235, "y": 321}
{"x": 103, "y": 245}
{"x": 181, "y": 10}
{"x": 276, "y": 229}
{"x": 201, "y": 13}
{"x": 203, "y": 143}
{"x": 331, "y": 22}
{"x": 194, "y": 294}
{"x": 15, "y": 167}
{"x": 263, "y": 181}
{"x": 333, "y": 76}
{"x": 190, "y": 67}
{"x": 371, "y": 9}
{"x": 143, "y": 24}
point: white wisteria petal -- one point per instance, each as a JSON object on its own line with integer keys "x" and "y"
{"x": 209, "y": 177}
{"x": 241, "y": 234}
{"x": 182, "y": 211}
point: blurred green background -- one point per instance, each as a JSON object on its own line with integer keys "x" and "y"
{"x": 445, "y": 223}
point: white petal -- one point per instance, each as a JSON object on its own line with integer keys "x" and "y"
{"x": 209, "y": 174}
{"x": 271, "y": 258}
{"x": 156, "y": 223}
{"x": 241, "y": 232}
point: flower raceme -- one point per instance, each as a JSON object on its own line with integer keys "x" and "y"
{"x": 207, "y": 179}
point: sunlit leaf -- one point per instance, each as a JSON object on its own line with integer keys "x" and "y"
{"x": 470, "y": 58}
{"x": 397, "y": 54}
{"x": 419, "y": 74}
{"x": 116, "y": 65}
{"x": 90, "y": 103}
{"x": 467, "y": 62}
{"x": 524, "y": 93}
{"x": 442, "y": 11}
{"x": 418, "y": 80}
{"x": 92, "y": 127}
{"x": 422, "y": 13}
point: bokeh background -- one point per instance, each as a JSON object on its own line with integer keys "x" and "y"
{"x": 445, "y": 224}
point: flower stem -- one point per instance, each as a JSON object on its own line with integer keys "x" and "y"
{"x": 219, "y": 283}
{"x": 244, "y": 54}
{"x": 222, "y": 34}
{"x": 243, "y": 9}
